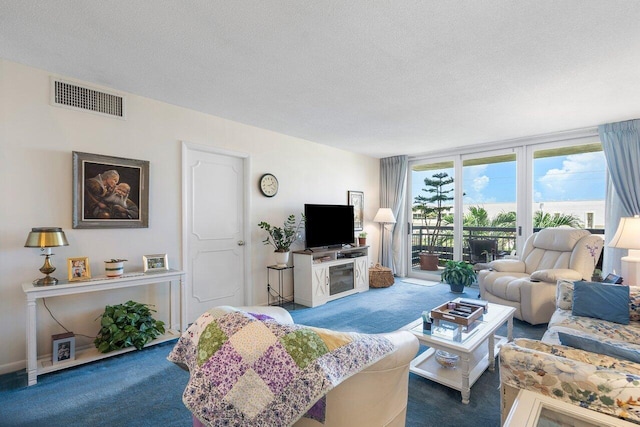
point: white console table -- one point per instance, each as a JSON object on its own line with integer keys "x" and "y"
{"x": 174, "y": 327}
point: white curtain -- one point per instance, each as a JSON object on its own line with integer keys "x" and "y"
{"x": 621, "y": 147}
{"x": 393, "y": 180}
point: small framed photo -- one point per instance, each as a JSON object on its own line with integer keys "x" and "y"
{"x": 64, "y": 347}
{"x": 78, "y": 269}
{"x": 157, "y": 262}
{"x": 356, "y": 199}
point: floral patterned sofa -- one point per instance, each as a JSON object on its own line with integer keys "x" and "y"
{"x": 604, "y": 379}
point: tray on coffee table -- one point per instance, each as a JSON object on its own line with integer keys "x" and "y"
{"x": 462, "y": 314}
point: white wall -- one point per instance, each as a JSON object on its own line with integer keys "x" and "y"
{"x": 36, "y": 141}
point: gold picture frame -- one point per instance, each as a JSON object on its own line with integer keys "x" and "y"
{"x": 156, "y": 262}
{"x": 79, "y": 269}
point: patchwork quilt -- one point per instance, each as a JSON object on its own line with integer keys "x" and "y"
{"x": 249, "y": 370}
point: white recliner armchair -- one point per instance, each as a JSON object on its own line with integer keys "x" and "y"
{"x": 529, "y": 283}
{"x": 375, "y": 396}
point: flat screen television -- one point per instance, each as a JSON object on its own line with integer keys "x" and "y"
{"x": 328, "y": 225}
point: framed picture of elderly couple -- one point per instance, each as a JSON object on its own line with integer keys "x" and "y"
{"x": 110, "y": 192}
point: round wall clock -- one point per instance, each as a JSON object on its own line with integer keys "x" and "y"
{"x": 269, "y": 185}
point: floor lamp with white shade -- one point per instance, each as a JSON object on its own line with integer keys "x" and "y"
{"x": 384, "y": 216}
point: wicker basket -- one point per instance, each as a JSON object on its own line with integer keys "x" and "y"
{"x": 380, "y": 277}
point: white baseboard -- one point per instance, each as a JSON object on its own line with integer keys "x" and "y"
{"x": 13, "y": 367}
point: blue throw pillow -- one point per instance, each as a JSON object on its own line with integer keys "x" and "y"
{"x": 595, "y": 346}
{"x": 601, "y": 301}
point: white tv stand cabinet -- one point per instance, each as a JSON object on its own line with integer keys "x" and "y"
{"x": 327, "y": 274}
{"x": 43, "y": 365}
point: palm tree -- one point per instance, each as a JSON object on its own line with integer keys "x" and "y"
{"x": 545, "y": 220}
{"x": 479, "y": 217}
{"x": 476, "y": 217}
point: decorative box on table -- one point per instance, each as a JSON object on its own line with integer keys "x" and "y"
{"x": 454, "y": 319}
{"x": 457, "y": 312}
{"x": 380, "y": 277}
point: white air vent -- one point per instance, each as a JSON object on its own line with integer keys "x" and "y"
{"x": 76, "y": 97}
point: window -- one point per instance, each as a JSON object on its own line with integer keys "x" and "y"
{"x": 569, "y": 187}
{"x": 509, "y": 193}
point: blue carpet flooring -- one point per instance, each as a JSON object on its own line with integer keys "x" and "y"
{"x": 388, "y": 309}
{"x": 142, "y": 388}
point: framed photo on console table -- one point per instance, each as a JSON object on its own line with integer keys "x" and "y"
{"x": 356, "y": 199}
{"x": 110, "y": 192}
{"x": 64, "y": 347}
{"x": 157, "y": 262}
{"x": 78, "y": 269}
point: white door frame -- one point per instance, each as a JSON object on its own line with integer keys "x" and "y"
{"x": 246, "y": 160}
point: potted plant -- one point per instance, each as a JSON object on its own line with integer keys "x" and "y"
{"x": 281, "y": 238}
{"x": 362, "y": 239}
{"x": 431, "y": 209}
{"x": 458, "y": 274}
{"x": 126, "y": 325}
{"x": 597, "y": 275}
{"x": 114, "y": 267}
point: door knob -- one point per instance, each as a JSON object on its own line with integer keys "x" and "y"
{"x": 240, "y": 242}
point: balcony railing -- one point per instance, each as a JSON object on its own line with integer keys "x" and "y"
{"x": 504, "y": 236}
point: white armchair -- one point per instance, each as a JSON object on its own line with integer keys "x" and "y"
{"x": 529, "y": 283}
{"x": 375, "y": 396}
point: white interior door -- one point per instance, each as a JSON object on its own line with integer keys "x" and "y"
{"x": 213, "y": 209}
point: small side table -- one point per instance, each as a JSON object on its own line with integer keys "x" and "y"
{"x": 276, "y": 297}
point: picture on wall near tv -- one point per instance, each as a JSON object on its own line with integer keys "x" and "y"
{"x": 328, "y": 225}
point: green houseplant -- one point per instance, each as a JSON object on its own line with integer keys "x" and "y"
{"x": 362, "y": 238}
{"x": 126, "y": 325}
{"x": 458, "y": 274}
{"x": 281, "y": 238}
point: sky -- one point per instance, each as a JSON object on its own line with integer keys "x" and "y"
{"x": 572, "y": 177}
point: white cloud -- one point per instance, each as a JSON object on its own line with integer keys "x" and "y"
{"x": 475, "y": 182}
{"x": 573, "y": 179}
{"x": 480, "y": 183}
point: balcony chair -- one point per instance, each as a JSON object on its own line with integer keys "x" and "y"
{"x": 529, "y": 283}
{"x": 479, "y": 248}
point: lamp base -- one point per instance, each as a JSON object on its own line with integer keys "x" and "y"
{"x": 630, "y": 268}
{"x": 45, "y": 281}
{"x": 47, "y": 269}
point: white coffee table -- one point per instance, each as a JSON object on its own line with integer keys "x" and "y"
{"x": 477, "y": 351}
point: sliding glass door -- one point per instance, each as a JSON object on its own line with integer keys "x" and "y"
{"x": 481, "y": 206}
{"x": 432, "y": 195}
{"x": 489, "y": 205}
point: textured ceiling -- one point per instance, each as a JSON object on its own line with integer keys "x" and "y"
{"x": 380, "y": 78}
